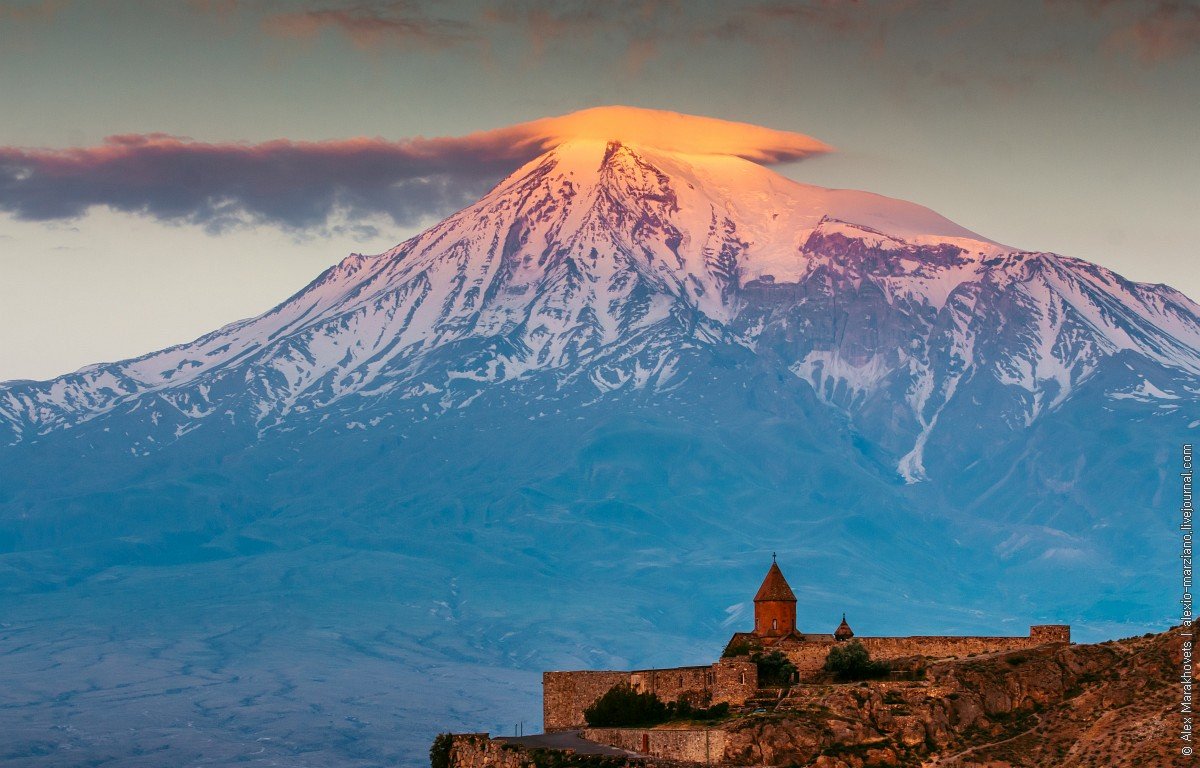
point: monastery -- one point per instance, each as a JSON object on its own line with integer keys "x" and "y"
{"x": 733, "y": 679}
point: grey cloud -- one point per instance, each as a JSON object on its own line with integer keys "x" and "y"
{"x": 305, "y": 185}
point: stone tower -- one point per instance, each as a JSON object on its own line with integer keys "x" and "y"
{"x": 774, "y": 606}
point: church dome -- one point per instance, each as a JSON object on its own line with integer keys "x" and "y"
{"x": 843, "y": 632}
{"x": 775, "y": 588}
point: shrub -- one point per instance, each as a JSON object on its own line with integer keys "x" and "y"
{"x": 739, "y": 648}
{"x": 851, "y": 661}
{"x": 623, "y": 706}
{"x": 773, "y": 668}
{"x": 439, "y": 752}
{"x": 917, "y": 673}
{"x": 683, "y": 710}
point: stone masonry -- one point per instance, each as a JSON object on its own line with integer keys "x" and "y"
{"x": 734, "y": 678}
{"x": 566, "y": 694}
{"x": 693, "y": 745}
{"x": 808, "y": 655}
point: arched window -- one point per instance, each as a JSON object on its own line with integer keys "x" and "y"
{"x": 774, "y": 623}
{"x": 743, "y": 678}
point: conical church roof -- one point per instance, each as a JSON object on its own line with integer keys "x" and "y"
{"x": 843, "y": 632}
{"x": 775, "y": 587}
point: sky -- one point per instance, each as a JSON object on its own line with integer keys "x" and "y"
{"x": 170, "y": 167}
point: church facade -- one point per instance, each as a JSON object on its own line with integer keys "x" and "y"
{"x": 733, "y": 679}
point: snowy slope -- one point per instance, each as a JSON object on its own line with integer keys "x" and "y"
{"x": 601, "y": 262}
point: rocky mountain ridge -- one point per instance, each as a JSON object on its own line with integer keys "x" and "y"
{"x": 601, "y": 265}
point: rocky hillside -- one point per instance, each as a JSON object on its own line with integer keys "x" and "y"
{"x": 1109, "y": 705}
{"x": 1105, "y": 705}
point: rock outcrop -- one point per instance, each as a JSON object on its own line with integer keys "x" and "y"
{"x": 1110, "y": 705}
{"x": 1107, "y": 705}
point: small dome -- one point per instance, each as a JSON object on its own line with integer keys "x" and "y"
{"x": 843, "y": 632}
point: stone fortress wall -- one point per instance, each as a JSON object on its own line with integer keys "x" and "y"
{"x": 809, "y": 656}
{"x": 735, "y": 680}
{"x": 566, "y": 694}
{"x": 692, "y": 745}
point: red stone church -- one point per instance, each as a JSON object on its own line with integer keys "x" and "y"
{"x": 734, "y": 678}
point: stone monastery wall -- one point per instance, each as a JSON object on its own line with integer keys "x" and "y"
{"x": 566, "y": 694}
{"x": 941, "y": 647}
{"x": 734, "y": 680}
{"x": 809, "y": 656}
{"x": 693, "y": 745}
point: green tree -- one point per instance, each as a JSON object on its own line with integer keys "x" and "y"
{"x": 851, "y": 661}
{"x": 684, "y": 710}
{"x": 774, "y": 669}
{"x": 622, "y": 706}
{"x": 738, "y": 648}
{"x": 439, "y": 752}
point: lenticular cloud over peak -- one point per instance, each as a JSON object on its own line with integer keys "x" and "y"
{"x": 301, "y": 185}
{"x": 675, "y": 132}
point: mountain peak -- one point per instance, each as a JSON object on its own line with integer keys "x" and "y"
{"x": 764, "y": 217}
{"x": 603, "y": 262}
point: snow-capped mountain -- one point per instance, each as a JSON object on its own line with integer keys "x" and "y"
{"x": 601, "y": 264}
{"x": 564, "y": 428}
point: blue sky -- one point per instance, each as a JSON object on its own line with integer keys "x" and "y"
{"x": 1066, "y": 125}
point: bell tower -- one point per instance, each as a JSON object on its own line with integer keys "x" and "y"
{"x": 774, "y": 605}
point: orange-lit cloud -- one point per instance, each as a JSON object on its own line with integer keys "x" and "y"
{"x": 675, "y": 132}
{"x": 300, "y": 185}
